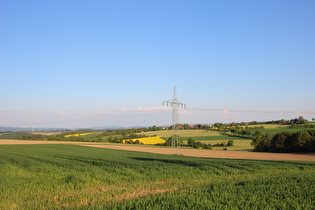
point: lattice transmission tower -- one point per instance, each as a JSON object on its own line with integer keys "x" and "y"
{"x": 175, "y": 104}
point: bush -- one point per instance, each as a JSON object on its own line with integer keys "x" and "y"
{"x": 220, "y": 144}
{"x": 230, "y": 143}
{"x": 197, "y": 144}
{"x": 129, "y": 142}
{"x": 207, "y": 146}
{"x": 191, "y": 142}
{"x": 168, "y": 142}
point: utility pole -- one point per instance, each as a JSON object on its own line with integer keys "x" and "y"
{"x": 175, "y": 104}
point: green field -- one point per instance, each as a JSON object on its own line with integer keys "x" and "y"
{"x": 283, "y": 129}
{"x": 183, "y": 133}
{"x": 69, "y": 176}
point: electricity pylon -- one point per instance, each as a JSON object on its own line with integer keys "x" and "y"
{"x": 175, "y": 104}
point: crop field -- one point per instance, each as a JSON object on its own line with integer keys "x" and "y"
{"x": 71, "y": 176}
{"x": 84, "y": 135}
{"x": 209, "y": 137}
{"x": 268, "y": 126}
{"x": 198, "y": 135}
{"x": 148, "y": 140}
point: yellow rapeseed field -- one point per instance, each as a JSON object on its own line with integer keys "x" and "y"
{"x": 77, "y": 134}
{"x": 149, "y": 140}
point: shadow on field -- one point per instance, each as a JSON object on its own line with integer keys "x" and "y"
{"x": 177, "y": 162}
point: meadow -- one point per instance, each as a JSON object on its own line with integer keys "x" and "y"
{"x": 70, "y": 176}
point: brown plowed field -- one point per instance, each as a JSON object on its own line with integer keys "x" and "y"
{"x": 185, "y": 152}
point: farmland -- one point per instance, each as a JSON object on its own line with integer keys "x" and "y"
{"x": 77, "y": 134}
{"x": 184, "y": 133}
{"x": 208, "y": 137}
{"x": 155, "y": 140}
{"x": 70, "y": 176}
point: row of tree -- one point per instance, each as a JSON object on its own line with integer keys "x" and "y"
{"x": 301, "y": 141}
{"x": 295, "y": 121}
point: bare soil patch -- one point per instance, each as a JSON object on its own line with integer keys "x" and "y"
{"x": 185, "y": 152}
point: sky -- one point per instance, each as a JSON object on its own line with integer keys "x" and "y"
{"x": 111, "y": 63}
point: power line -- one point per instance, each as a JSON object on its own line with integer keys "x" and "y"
{"x": 175, "y": 104}
{"x": 253, "y": 111}
{"x": 248, "y": 88}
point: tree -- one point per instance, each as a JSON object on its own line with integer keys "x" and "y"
{"x": 303, "y": 138}
{"x": 197, "y": 144}
{"x": 168, "y": 142}
{"x": 278, "y": 143}
{"x": 230, "y": 143}
{"x": 245, "y": 133}
{"x": 186, "y": 126}
{"x": 191, "y": 142}
{"x": 301, "y": 120}
{"x": 206, "y": 146}
{"x": 178, "y": 137}
{"x": 257, "y": 133}
{"x": 233, "y": 130}
{"x": 302, "y": 141}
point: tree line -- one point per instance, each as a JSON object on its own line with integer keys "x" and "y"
{"x": 300, "y": 141}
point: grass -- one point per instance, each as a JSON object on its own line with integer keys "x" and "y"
{"x": 69, "y": 176}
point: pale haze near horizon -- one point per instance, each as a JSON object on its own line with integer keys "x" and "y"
{"x": 112, "y": 63}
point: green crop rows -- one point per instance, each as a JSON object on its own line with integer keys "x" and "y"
{"x": 69, "y": 176}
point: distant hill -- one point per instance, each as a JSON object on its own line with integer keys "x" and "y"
{"x": 15, "y": 129}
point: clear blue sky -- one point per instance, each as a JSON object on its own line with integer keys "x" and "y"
{"x": 100, "y": 63}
